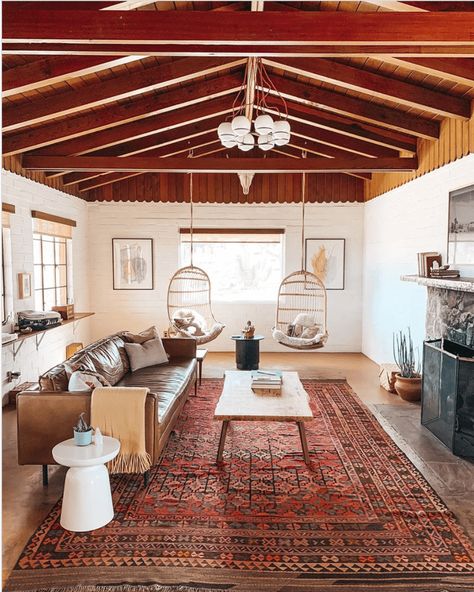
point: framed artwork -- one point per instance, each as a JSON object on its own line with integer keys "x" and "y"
{"x": 461, "y": 227}
{"x": 325, "y": 257}
{"x": 24, "y": 285}
{"x": 132, "y": 263}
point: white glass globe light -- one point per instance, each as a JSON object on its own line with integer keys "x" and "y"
{"x": 240, "y": 125}
{"x": 266, "y": 142}
{"x": 225, "y": 132}
{"x": 281, "y": 133}
{"x": 246, "y": 143}
{"x": 263, "y": 125}
{"x": 229, "y": 143}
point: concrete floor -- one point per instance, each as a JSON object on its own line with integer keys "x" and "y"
{"x": 26, "y": 502}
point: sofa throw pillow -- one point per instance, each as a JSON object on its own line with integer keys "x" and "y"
{"x": 142, "y": 337}
{"x": 87, "y": 381}
{"x": 150, "y": 353}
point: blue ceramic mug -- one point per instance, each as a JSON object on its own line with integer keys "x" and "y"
{"x": 83, "y": 438}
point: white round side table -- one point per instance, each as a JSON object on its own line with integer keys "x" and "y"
{"x": 87, "y": 499}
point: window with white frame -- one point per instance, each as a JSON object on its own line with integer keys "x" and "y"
{"x": 7, "y": 271}
{"x": 242, "y": 264}
{"x": 52, "y": 255}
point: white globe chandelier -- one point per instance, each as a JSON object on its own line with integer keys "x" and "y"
{"x": 267, "y": 132}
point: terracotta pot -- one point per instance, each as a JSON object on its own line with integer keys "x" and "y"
{"x": 409, "y": 389}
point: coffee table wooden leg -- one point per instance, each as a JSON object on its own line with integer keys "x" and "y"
{"x": 220, "y": 452}
{"x": 304, "y": 443}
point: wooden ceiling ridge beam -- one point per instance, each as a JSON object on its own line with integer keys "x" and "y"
{"x": 101, "y": 92}
{"x": 214, "y": 165}
{"x": 385, "y": 87}
{"x": 142, "y": 128}
{"x": 356, "y": 108}
{"x": 74, "y": 128}
{"x": 348, "y": 127}
{"x": 240, "y": 28}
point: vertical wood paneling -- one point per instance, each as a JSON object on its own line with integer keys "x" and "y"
{"x": 456, "y": 140}
{"x": 225, "y": 188}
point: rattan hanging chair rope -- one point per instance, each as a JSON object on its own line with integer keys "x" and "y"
{"x": 301, "y": 297}
{"x": 189, "y": 296}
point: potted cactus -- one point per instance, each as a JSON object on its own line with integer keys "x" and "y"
{"x": 408, "y": 380}
{"x": 82, "y": 432}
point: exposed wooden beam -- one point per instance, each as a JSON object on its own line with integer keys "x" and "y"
{"x": 240, "y": 28}
{"x": 115, "y": 115}
{"x": 396, "y": 5}
{"x": 47, "y": 71}
{"x": 142, "y": 128}
{"x": 348, "y": 127}
{"x": 385, "y": 87}
{"x": 235, "y": 51}
{"x": 459, "y": 70}
{"x": 215, "y": 165}
{"x": 101, "y": 92}
{"x": 357, "y": 108}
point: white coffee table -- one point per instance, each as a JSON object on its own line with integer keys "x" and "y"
{"x": 239, "y": 403}
{"x": 87, "y": 500}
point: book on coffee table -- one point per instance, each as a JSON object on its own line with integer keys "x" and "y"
{"x": 265, "y": 382}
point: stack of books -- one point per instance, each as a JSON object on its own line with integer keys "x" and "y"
{"x": 444, "y": 272}
{"x": 266, "y": 382}
{"x": 427, "y": 262}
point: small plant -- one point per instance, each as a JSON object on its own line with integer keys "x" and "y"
{"x": 404, "y": 355}
{"x": 82, "y": 425}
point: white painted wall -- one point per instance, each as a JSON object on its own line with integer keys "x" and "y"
{"x": 136, "y": 310}
{"x": 27, "y": 195}
{"x": 398, "y": 225}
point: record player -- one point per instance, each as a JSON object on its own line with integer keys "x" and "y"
{"x": 38, "y": 320}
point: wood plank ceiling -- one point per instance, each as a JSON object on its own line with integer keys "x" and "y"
{"x": 105, "y": 100}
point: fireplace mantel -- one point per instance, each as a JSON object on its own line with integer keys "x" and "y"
{"x": 459, "y": 284}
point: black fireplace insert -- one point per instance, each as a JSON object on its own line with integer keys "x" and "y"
{"x": 447, "y": 405}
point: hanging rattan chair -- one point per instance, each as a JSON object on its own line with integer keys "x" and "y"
{"x": 301, "y": 310}
{"x": 189, "y": 298}
{"x": 189, "y": 305}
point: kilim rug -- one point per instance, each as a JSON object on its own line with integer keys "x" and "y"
{"x": 361, "y": 517}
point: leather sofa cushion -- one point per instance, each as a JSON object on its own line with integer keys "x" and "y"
{"x": 104, "y": 358}
{"x": 57, "y": 378}
{"x": 168, "y": 382}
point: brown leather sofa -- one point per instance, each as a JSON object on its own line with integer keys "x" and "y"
{"x": 46, "y": 418}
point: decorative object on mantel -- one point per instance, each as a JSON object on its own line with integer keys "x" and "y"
{"x": 253, "y": 95}
{"x": 461, "y": 226}
{"x": 82, "y": 432}
{"x": 24, "y": 285}
{"x": 428, "y": 261}
{"x": 447, "y": 407}
{"x": 444, "y": 272}
{"x": 249, "y": 330}
{"x": 408, "y": 379}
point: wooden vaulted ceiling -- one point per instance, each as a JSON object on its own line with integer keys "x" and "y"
{"x": 105, "y": 100}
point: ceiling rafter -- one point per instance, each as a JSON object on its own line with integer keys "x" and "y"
{"x": 98, "y": 93}
{"x": 73, "y": 128}
{"x": 356, "y": 108}
{"x": 459, "y": 70}
{"x": 385, "y": 87}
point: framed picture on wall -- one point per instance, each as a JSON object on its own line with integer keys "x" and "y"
{"x": 132, "y": 263}
{"x": 461, "y": 227}
{"x": 24, "y": 285}
{"x": 325, "y": 257}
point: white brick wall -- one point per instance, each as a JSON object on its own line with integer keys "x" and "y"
{"x": 138, "y": 309}
{"x": 27, "y": 195}
{"x": 398, "y": 225}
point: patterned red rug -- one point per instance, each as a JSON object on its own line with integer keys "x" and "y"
{"x": 360, "y": 518}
